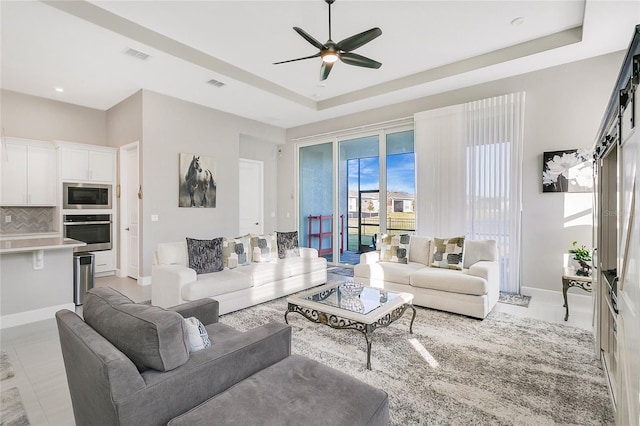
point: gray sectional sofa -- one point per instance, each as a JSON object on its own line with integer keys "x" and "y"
{"x": 130, "y": 364}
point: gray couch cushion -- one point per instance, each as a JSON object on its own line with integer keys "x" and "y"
{"x": 152, "y": 337}
{"x": 294, "y": 391}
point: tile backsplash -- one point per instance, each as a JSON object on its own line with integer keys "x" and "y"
{"x": 27, "y": 219}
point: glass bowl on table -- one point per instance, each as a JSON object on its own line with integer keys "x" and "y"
{"x": 350, "y": 289}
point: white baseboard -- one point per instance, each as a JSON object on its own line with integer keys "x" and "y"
{"x": 27, "y": 317}
{"x": 144, "y": 281}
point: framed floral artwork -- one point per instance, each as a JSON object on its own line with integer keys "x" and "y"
{"x": 567, "y": 171}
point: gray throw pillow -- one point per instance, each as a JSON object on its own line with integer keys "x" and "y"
{"x": 205, "y": 256}
{"x": 288, "y": 244}
{"x": 150, "y": 336}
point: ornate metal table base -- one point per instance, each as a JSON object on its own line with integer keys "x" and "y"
{"x": 335, "y": 321}
{"x": 568, "y": 282}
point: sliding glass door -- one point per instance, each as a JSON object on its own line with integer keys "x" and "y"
{"x": 352, "y": 189}
{"x": 359, "y": 195}
{"x": 400, "y": 183}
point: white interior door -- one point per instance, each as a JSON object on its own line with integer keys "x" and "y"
{"x": 251, "y": 197}
{"x": 130, "y": 210}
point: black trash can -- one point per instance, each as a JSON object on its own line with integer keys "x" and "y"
{"x": 83, "y": 275}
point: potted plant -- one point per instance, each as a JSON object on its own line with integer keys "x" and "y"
{"x": 582, "y": 255}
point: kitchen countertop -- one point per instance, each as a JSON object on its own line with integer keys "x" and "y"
{"x": 32, "y": 244}
{"x": 27, "y": 235}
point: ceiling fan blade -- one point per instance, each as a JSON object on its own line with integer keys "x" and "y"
{"x": 325, "y": 69}
{"x": 353, "y": 42}
{"x": 310, "y": 39}
{"x": 359, "y": 60}
{"x": 297, "y": 59}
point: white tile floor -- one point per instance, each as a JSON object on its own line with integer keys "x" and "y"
{"x": 34, "y": 349}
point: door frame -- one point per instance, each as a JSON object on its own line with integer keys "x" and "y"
{"x": 124, "y": 208}
{"x": 261, "y": 192}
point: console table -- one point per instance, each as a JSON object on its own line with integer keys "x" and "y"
{"x": 570, "y": 279}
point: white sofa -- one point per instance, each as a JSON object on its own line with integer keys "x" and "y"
{"x": 173, "y": 282}
{"x": 472, "y": 291}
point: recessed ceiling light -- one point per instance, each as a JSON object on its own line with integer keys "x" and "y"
{"x": 59, "y": 89}
{"x": 517, "y": 21}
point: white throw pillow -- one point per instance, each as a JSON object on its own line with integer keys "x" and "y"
{"x": 172, "y": 254}
{"x": 395, "y": 248}
{"x": 236, "y": 251}
{"x": 264, "y": 248}
{"x": 420, "y": 250}
{"x": 198, "y": 336}
{"x": 448, "y": 253}
{"x": 477, "y": 250}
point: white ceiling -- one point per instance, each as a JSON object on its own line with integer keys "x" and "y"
{"x": 426, "y": 47}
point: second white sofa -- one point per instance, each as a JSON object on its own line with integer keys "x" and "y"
{"x": 173, "y": 282}
{"x": 472, "y": 291}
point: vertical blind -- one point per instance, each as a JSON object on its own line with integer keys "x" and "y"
{"x": 469, "y": 175}
{"x": 494, "y": 143}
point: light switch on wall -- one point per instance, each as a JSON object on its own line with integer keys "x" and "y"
{"x": 154, "y": 218}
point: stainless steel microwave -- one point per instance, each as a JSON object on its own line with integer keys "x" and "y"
{"x": 86, "y": 196}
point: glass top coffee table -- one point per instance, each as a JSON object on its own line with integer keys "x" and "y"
{"x": 348, "y": 305}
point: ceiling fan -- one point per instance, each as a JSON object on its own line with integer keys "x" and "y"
{"x": 330, "y": 51}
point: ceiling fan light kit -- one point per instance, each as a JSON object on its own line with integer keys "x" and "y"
{"x": 330, "y": 51}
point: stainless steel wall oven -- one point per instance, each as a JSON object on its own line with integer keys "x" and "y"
{"x": 93, "y": 229}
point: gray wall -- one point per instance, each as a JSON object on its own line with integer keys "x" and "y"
{"x": 32, "y": 117}
{"x": 124, "y": 126}
{"x": 172, "y": 126}
{"x": 564, "y": 107}
{"x": 124, "y": 121}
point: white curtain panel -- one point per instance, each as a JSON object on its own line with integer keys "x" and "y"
{"x": 469, "y": 175}
{"x": 440, "y": 176}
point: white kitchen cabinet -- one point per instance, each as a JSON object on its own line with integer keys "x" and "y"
{"x": 105, "y": 261}
{"x": 28, "y": 173}
{"x": 81, "y": 163}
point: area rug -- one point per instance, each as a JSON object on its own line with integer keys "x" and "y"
{"x": 504, "y": 370}
{"x": 6, "y": 370}
{"x": 514, "y": 299}
{"x": 12, "y": 412}
{"x": 347, "y": 272}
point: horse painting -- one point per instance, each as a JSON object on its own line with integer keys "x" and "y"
{"x": 200, "y": 180}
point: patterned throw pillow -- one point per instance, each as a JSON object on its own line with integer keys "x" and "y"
{"x": 236, "y": 251}
{"x": 198, "y": 336}
{"x": 205, "y": 255}
{"x": 288, "y": 244}
{"x": 448, "y": 253}
{"x": 395, "y": 248}
{"x": 264, "y": 248}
